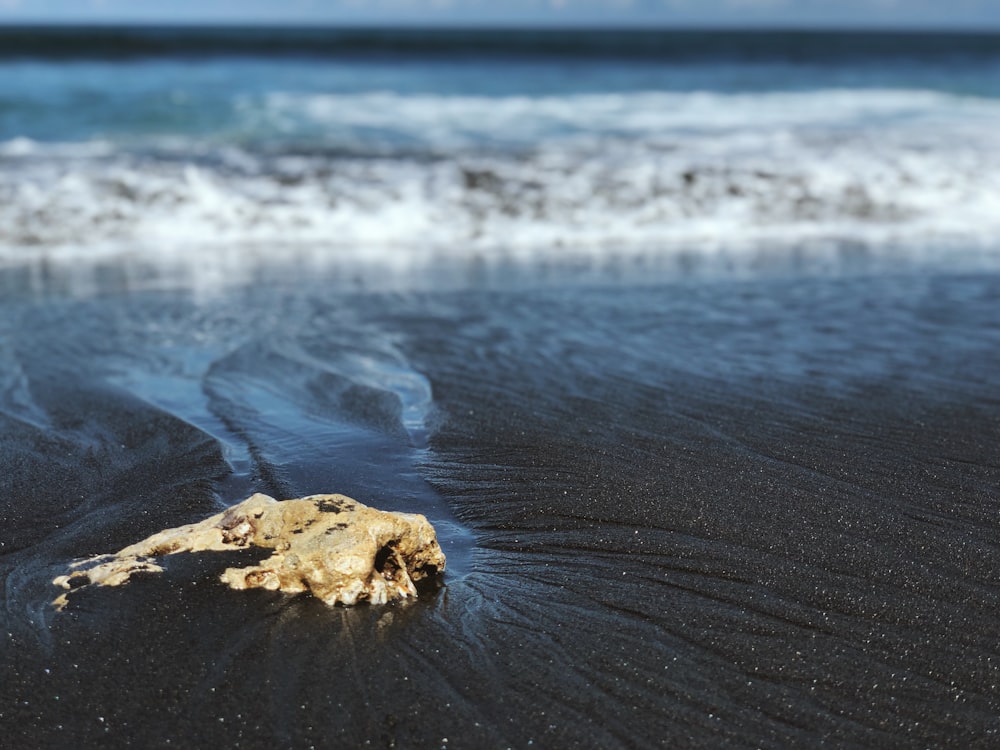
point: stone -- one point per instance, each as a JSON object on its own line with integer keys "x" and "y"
{"x": 329, "y": 545}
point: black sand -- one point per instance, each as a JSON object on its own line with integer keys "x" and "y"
{"x": 756, "y": 513}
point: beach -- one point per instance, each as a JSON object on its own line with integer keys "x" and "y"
{"x": 709, "y": 438}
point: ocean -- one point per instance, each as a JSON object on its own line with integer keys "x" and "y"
{"x": 687, "y": 343}
{"x": 403, "y": 150}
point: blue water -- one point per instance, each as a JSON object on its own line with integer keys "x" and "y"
{"x": 406, "y": 149}
{"x": 164, "y": 96}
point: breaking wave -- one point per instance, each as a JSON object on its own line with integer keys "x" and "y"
{"x": 402, "y": 179}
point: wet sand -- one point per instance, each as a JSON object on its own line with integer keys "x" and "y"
{"x": 757, "y": 512}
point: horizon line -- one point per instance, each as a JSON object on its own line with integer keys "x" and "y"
{"x": 506, "y": 26}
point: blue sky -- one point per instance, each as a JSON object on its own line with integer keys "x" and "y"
{"x": 879, "y": 13}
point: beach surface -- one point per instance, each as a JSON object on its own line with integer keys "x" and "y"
{"x": 756, "y": 512}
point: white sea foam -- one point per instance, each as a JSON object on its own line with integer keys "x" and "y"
{"x": 449, "y": 121}
{"x": 400, "y": 180}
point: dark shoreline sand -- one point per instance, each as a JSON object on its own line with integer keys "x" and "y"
{"x": 735, "y": 513}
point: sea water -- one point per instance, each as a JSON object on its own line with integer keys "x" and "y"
{"x": 402, "y": 149}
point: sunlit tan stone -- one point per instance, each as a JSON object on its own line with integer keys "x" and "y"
{"x": 330, "y": 545}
